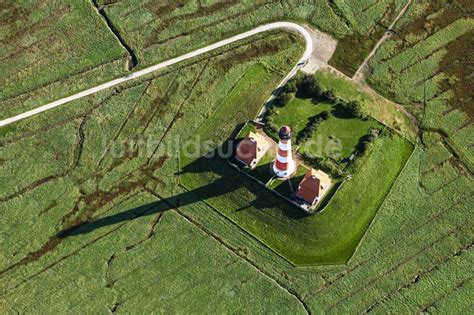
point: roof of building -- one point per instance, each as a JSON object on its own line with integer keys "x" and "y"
{"x": 310, "y": 185}
{"x": 251, "y": 147}
{"x": 323, "y": 177}
{"x": 285, "y": 132}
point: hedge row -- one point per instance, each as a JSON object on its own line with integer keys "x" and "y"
{"x": 308, "y": 130}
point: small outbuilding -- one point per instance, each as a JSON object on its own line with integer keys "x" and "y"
{"x": 313, "y": 186}
{"x": 251, "y": 149}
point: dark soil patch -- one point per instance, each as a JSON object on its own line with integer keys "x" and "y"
{"x": 352, "y": 50}
{"x": 262, "y": 49}
{"x": 33, "y": 186}
{"x": 437, "y": 15}
{"x": 154, "y": 40}
{"x": 460, "y": 64}
{"x": 32, "y": 256}
{"x": 51, "y": 205}
{"x": 457, "y": 62}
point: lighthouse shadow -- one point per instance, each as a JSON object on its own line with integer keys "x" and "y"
{"x": 213, "y": 178}
{"x": 242, "y": 193}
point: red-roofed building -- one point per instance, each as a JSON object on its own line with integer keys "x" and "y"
{"x": 251, "y": 149}
{"x": 313, "y": 186}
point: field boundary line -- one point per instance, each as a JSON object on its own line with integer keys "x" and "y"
{"x": 226, "y": 245}
{"x": 418, "y": 276}
{"x": 372, "y": 222}
{"x": 259, "y": 29}
{"x": 358, "y": 75}
{"x": 395, "y": 268}
{"x": 122, "y": 125}
{"x": 229, "y": 247}
{"x": 261, "y": 242}
{"x": 259, "y": 269}
{"x": 57, "y": 81}
{"x": 132, "y": 56}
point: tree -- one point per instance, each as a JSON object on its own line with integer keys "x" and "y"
{"x": 309, "y": 85}
{"x": 286, "y": 98}
{"x": 324, "y": 115}
{"x": 356, "y": 109}
{"x": 329, "y": 95}
{"x": 365, "y": 144}
{"x": 290, "y": 86}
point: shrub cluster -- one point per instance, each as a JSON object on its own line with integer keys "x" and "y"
{"x": 352, "y": 108}
{"x": 307, "y": 86}
{"x": 386, "y": 132}
{"x": 287, "y": 92}
{"x": 328, "y": 165}
{"x": 268, "y": 119}
{"x": 367, "y": 142}
{"x": 308, "y": 130}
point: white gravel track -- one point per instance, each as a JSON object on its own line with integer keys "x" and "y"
{"x": 260, "y": 29}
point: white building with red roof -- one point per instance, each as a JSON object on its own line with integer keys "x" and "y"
{"x": 313, "y": 186}
{"x": 251, "y": 149}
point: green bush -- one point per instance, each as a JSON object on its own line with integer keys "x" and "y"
{"x": 330, "y": 95}
{"x": 307, "y": 85}
{"x": 308, "y": 130}
{"x": 366, "y": 142}
{"x": 386, "y": 132}
{"x": 328, "y": 165}
{"x": 353, "y": 108}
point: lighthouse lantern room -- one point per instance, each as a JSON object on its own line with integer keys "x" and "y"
{"x": 284, "y": 165}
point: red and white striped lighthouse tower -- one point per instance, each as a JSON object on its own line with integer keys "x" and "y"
{"x": 284, "y": 165}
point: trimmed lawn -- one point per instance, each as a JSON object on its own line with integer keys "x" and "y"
{"x": 325, "y": 138}
{"x": 246, "y": 130}
{"x": 262, "y": 170}
{"x": 282, "y": 186}
{"x": 346, "y": 131}
{"x": 375, "y": 105}
{"x": 296, "y": 113}
{"x": 328, "y": 237}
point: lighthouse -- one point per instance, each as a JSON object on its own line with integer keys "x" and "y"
{"x": 284, "y": 165}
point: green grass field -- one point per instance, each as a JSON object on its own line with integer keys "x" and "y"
{"x": 296, "y": 114}
{"x": 64, "y": 62}
{"x": 431, "y": 75}
{"x": 309, "y": 239}
{"x": 283, "y": 188}
{"x": 359, "y": 15}
{"x": 347, "y": 130}
{"x": 84, "y": 176}
{"x": 100, "y": 213}
{"x": 302, "y": 239}
{"x": 158, "y": 31}
{"x": 46, "y": 44}
{"x": 376, "y": 106}
{"x": 263, "y": 170}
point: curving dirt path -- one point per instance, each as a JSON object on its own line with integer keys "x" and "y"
{"x": 260, "y": 29}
